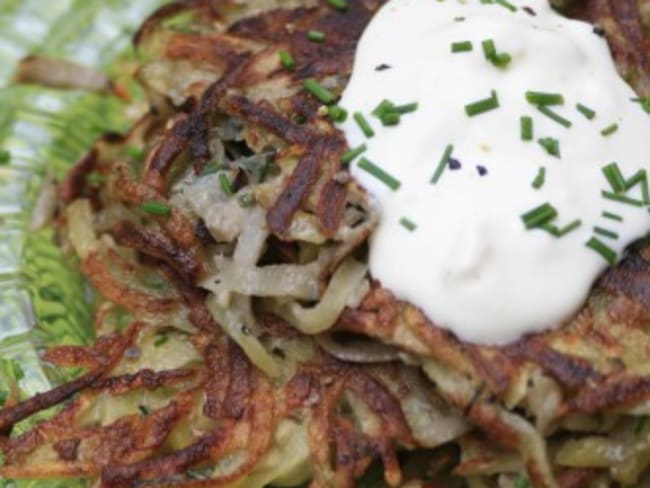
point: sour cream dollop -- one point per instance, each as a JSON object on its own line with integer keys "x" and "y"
{"x": 470, "y": 263}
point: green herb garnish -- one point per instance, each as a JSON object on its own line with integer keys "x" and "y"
{"x": 379, "y": 173}
{"x": 408, "y": 224}
{"x": 156, "y": 208}
{"x": 550, "y": 145}
{"x": 287, "y": 60}
{"x": 316, "y": 36}
{"x": 461, "y": 46}
{"x": 539, "y": 216}
{"x": 586, "y": 111}
{"x": 543, "y": 98}
{"x": 482, "y": 106}
{"x": 540, "y": 179}
{"x": 526, "y": 124}
{"x": 554, "y": 116}
{"x": 319, "y": 91}
{"x": 603, "y": 249}
{"x": 609, "y": 130}
{"x": 352, "y": 154}
{"x": 444, "y": 162}
{"x": 363, "y": 124}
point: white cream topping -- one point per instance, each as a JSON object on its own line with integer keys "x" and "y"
{"x": 470, "y": 264}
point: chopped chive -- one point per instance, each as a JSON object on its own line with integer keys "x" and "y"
{"x": 562, "y": 231}
{"x": 337, "y": 114}
{"x": 609, "y": 130}
{"x": 5, "y": 157}
{"x": 319, "y": 91}
{"x": 134, "y": 152}
{"x": 540, "y": 179}
{"x": 226, "y": 184}
{"x": 605, "y": 233}
{"x": 461, "y": 46}
{"x": 640, "y": 178}
{"x": 603, "y": 249}
{"x": 156, "y": 208}
{"x": 539, "y": 216}
{"x": 144, "y": 411}
{"x": 390, "y": 118}
{"x": 211, "y": 168}
{"x": 406, "y": 108}
{"x": 586, "y": 111}
{"x": 384, "y": 107}
{"x": 644, "y": 102}
{"x": 459, "y": 19}
{"x": 287, "y": 60}
{"x": 379, "y": 173}
{"x": 352, "y": 154}
{"x": 444, "y": 160}
{"x": 500, "y": 60}
{"x": 614, "y": 177}
{"x": 160, "y": 340}
{"x": 612, "y": 216}
{"x": 316, "y": 36}
{"x": 522, "y": 482}
{"x": 526, "y": 128}
{"x": 542, "y": 98}
{"x": 506, "y": 4}
{"x": 482, "y": 106}
{"x": 338, "y": 4}
{"x": 621, "y": 199}
{"x": 95, "y": 178}
{"x": 408, "y": 224}
{"x": 554, "y": 116}
{"x": 550, "y": 145}
{"x": 363, "y": 125}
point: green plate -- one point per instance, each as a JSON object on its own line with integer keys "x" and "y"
{"x": 43, "y": 301}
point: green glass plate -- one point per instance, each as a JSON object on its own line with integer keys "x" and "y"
{"x": 43, "y": 301}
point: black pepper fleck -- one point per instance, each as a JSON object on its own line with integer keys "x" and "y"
{"x": 482, "y": 170}
{"x": 454, "y": 164}
{"x": 382, "y": 67}
{"x": 530, "y": 11}
{"x": 599, "y": 30}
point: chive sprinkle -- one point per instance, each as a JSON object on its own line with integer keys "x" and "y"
{"x": 226, "y": 184}
{"x": 319, "y": 91}
{"x": 408, "y": 224}
{"x": 363, "y": 125}
{"x": 640, "y": 178}
{"x": 526, "y": 123}
{"x": 384, "y": 107}
{"x": 287, "y": 60}
{"x": 612, "y": 216}
{"x": 603, "y": 249}
{"x": 379, "y": 173}
{"x": 211, "y": 168}
{"x": 144, "y": 411}
{"x": 605, "y": 233}
{"x": 134, "y": 152}
{"x": 316, "y": 36}
{"x": 621, "y": 199}
{"x": 554, "y": 116}
{"x": 550, "y": 145}
{"x": 609, "y": 130}
{"x": 444, "y": 160}
{"x": 562, "y": 231}
{"x": 461, "y": 46}
{"x": 5, "y": 157}
{"x": 390, "y": 118}
{"x": 156, "y": 208}
{"x": 500, "y": 60}
{"x": 95, "y": 178}
{"x": 352, "y": 154}
{"x": 337, "y": 114}
{"x": 160, "y": 340}
{"x": 482, "y": 106}
{"x": 540, "y": 179}
{"x": 506, "y": 4}
{"x": 542, "y": 98}
{"x": 539, "y": 216}
{"x": 614, "y": 177}
{"x": 586, "y": 111}
{"x": 406, "y": 108}
{"x": 338, "y": 4}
